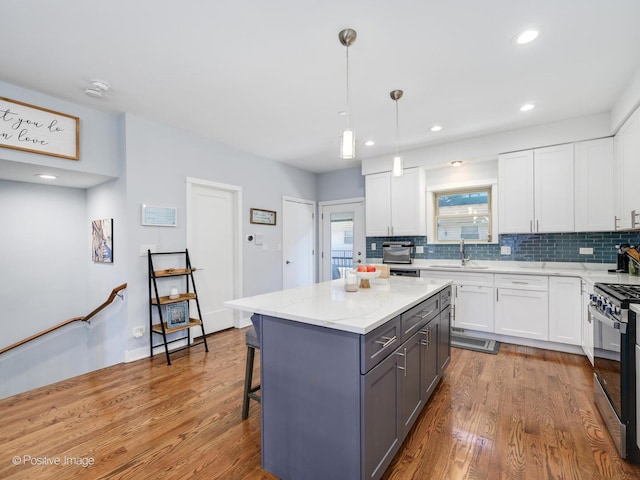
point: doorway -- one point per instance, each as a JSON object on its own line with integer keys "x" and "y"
{"x": 213, "y": 239}
{"x": 298, "y": 242}
{"x": 342, "y": 237}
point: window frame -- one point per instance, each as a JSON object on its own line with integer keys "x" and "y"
{"x": 490, "y": 185}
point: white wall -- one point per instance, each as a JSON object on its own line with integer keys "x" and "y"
{"x": 158, "y": 161}
{"x": 98, "y": 135}
{"x": 43, "y": 282}
{"x": 488, "y": 147}
{"x": 340, "y": 184}
{"x": 626, "y": 103}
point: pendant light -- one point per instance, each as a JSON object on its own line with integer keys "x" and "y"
{"x": 347, "y": 140}
{"x": 397, "y": 168}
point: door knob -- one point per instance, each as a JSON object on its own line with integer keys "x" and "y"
{"x": 288, "y": 262}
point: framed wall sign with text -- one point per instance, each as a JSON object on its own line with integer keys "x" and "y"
{"x": 156, "y": 216}
{"x": 38, "y": 130}
{"x": 262, "y": 217}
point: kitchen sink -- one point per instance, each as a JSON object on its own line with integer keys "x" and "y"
{"x": 466, "y": 267}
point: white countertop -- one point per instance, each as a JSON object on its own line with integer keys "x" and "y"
{"x": 590, "y": 272}
{"x": 328, "y": 305}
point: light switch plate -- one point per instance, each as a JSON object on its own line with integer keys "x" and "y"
{"x": 505, "y": 250}
{"x": 586, "y": 251}
{"x": 144, "y": 248}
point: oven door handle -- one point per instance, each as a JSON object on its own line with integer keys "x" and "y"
{"x": 607, "y": 321}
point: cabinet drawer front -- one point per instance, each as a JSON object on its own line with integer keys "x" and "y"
{"x": 523, "y": 282}
{"x": 461, "y": 278}
{"x": 445, "y": 298}
{"x": 418, "y": 316}
{"x": 376, "y": 345}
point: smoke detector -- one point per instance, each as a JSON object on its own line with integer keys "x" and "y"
{"x": 97, "y": 88}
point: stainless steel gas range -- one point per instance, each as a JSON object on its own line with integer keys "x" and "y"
{"x": 614, "y": 380}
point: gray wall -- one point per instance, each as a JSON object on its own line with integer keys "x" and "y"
{"x": 43, "y": 281}
{"x": 340, "y": 184}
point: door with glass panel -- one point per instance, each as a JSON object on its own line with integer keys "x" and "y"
{"x": 343, "y": 245}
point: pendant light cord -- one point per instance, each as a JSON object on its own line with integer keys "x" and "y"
{"x": 396, "y": 128}
{"x": 348, "y": 112}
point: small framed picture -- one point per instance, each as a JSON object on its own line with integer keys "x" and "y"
{"x": 153, "y": 215}
{"x": 262, "y": 217}
{"x": 102, "y": 240}
{"x": 177, "y": 314}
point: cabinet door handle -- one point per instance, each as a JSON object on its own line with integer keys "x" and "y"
{"x": 515, "y": 282}
{"x": 616, "y": 220}
{"x": 537, "y": 226}
{"x": 405, "y": 361}
{"x": 422, "y": 317}
{"x": 427, "y": 342}
{"x": 531, "y": 226}
{"x": 496, "y": 294}
{"x": 386, "y": 341}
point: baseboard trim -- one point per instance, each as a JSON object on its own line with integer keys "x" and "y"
{"x": 137, "y": 354}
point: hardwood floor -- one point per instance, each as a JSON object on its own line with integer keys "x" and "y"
{"x": 524, "y": 413}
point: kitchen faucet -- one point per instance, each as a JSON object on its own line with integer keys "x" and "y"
{"x": 463, "y": 259}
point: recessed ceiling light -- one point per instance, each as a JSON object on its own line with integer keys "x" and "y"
{"x": 527, "y": 106}
{"x": 456, "y": 163}
{"x": 526, "y": 37}
{"x": 369, "y": 143}
{"x": 436, "y": 128}
{"x": 46, "y": 176}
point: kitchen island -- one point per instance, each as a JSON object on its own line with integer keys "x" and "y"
{"x": 345, "y": 375}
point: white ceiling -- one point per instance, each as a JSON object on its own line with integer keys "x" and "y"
{"x": 269, "y": 77}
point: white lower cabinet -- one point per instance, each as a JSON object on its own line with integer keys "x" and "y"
{"x": 522, "y": 313}
{"x": 474, "y": 307}
{"x": 587, "y": 324}
{"x": 472, "y": 299}
{"x": 565, "y": 310}
{"x": 522, "y": 306}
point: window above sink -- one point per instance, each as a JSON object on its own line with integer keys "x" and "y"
{"x": 462, "y": 212}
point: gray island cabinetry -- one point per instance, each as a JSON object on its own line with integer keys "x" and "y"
{"x": 345, "y": 375}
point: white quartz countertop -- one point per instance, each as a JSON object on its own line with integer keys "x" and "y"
{"x": 590, "y": 272}
{"x": 328, "y": 305}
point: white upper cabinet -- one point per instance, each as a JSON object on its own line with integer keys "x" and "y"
{"x": 627, "y": 172}
{"x": 594, "y": 196}
{"x": 395, "y": 206}
{"x": 515, "y": 192}
{"x": 536, "y": 192}
{"x": 553, "y": 192}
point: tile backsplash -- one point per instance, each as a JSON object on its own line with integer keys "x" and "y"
{"x": 530, "y": 247}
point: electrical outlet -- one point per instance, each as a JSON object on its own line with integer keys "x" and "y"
{"x": 144, "y": 248}
{"x": 505, "y": 250}
{"x": 586, "y": 251}
{"x": 419, "y": 249}
{"x": 139, "y": 331}
{"x": 373, "y": 246}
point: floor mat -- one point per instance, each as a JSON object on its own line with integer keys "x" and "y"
{"x": 477, "y": 344}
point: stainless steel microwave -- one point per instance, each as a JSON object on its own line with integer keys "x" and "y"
{"x": 397, "y": 252}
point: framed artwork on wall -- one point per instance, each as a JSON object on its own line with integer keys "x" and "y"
{"x": 38, "y": 130}
{"x": 102, "y": 240}
{"x": 262, "y": 217}
{"x": 177, "y": 314}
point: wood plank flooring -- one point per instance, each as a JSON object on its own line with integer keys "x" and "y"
{"x": 522, "y": 414}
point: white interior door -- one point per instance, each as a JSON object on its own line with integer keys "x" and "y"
{"x": 212, "y": 220}
{"x": 343, "y": 244}
{"x": 298, "y": 242}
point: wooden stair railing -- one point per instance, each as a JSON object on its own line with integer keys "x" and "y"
{"x": 114, "y": 293}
